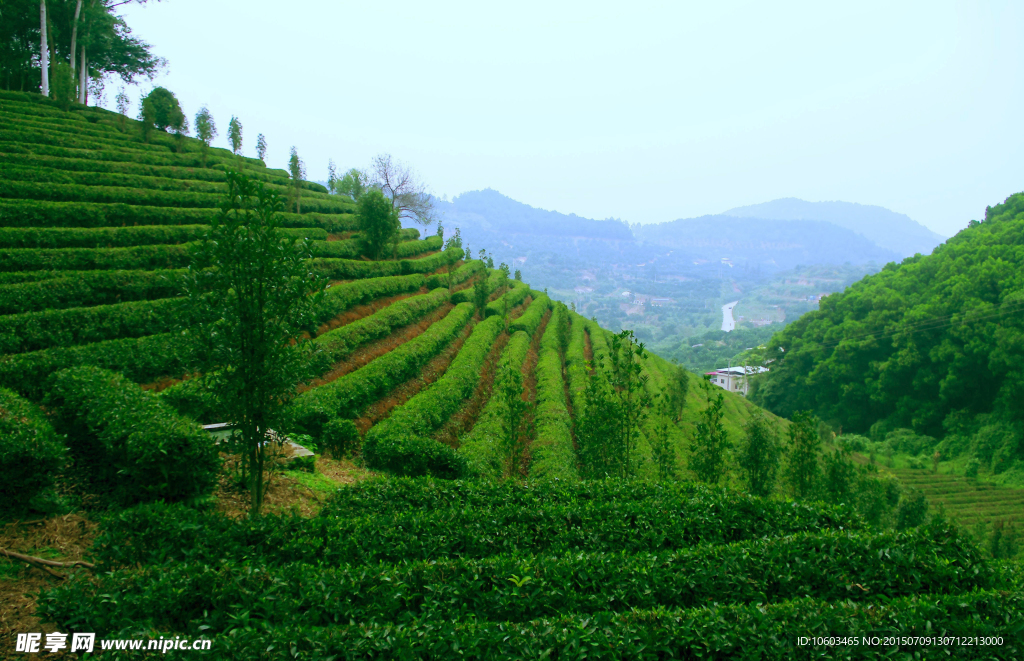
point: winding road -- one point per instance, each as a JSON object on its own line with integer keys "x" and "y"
{"x": 728, "y": 323}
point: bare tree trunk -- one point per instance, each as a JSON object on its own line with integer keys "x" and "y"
{"x": 74, "y": 34}
{"x": 83, "y": 91}
{"x": 44, "y": 53}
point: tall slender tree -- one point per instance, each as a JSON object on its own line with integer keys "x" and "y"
{"x": 297, "y": 170}
{"x": 206, "y": 130}
{"x": 261, "y": 147}
{"x": 378, "y": 223}
{"x": 235, "y": 135}
{"x": 407, "y": 194}
{"x": 709, "y": 442}
{"x": 248, "y": 311}
{"x": 759, "y": 454}
{"x": 804, "y": 469}
{"x": 44, "y": 52}
{"x": 515, "y": 418}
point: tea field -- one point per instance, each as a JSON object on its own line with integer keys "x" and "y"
{"x": 967, "y": 500}
{"x": 432, "y": 569}
{"x": 96, "y": 226}
{"x": 435, "y": 557}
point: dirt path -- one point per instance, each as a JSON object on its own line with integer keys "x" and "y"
{"x": 530, "y": 390}
{"x": 365, "y": 310}
{"x": 463, "y": 421}
{"x": 63, "y": 538}
{"x": 588, "y": 351}
{"x": 368, "y": 352}
{"x": 433, "y": 371}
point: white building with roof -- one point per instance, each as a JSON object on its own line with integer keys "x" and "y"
{"x": 734, "y": 379}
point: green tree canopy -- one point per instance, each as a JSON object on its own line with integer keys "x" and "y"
{"x": 206, "y": 129}
{"x": 247, "y": 311}
{"x": 235, "y": 134}
{"x": 160, "y": 109}
{"x": 933, "y": 344}
{"x": 103, "y": 43}
{"x": 378, "y": 223}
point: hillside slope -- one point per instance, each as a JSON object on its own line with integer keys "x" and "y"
{"x": 933, "y": 344}
{"x": 95, "y": 230}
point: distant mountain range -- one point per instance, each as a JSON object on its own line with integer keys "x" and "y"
{"x": 489, "y": 211}
{"x": 775, "y": 235}
{"x": 892, "y": 231}
{"x": 782, "y": 244}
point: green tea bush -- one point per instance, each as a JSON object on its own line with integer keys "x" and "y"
{"x": 137, "y": 448}
{"x": 55, "y": 192}
{"x": 744, "y": 631}
{"x": 18, "y": 277}
{"x": 467, "y": 271}
{"x": 353, "y": 269}
{"x": 79, "y": 289}
{"x": 343, "y": 297}
{"x": 192, "y": 399}
{"x": 51, "y": 237}
{"x": 42, "y": 213}
{"x": 400, "y": 520}
{"x": 575, "y": 362}
{"x": 100, "y": 237}
{"x": 413, "y": 248}
{"x": 30, "y": 452}
{"x": 889, "y": 565}
{"x": 494, "y": 280}
{"x": 426, "y": 411}
{"x": 139, "y": 359}
{"x": 351, "y": 248}
{"x": 516, "y": 294}
{"x": 409, "y": 454}
{"x": 172, "y": 173}
{"x": 34, "y": 331}
{"x": 101, "y": 259}
{"x": 335, "y": 345}
{"x": 530, "y": 320}
{"x": 347, "y": 396}
{"x": 16, "y": 172}
{"x": 87, "y": 149}
{"x": 552, "y": 454}
{"x": 481, "y": 448}
{"x": 67, "y": 139}
{"x": 340, "y": 437}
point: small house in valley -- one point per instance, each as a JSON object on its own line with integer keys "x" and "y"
{"x": 734, "y": 379}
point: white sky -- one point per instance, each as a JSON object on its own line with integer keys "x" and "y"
{"x": 646, "y": 112}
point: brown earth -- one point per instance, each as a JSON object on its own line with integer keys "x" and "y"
{"x": 433, "y": 371}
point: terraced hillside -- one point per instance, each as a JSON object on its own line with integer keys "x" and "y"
{"x": 418, "y": 568}
{"x": 96, "y": 226}
{"x": 968, "y": 501}
{"x": 95, "y": 230}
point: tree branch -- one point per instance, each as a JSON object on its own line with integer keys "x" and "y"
{"x": 43, "y": 563}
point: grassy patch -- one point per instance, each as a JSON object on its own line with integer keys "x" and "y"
{"x": 317, "y": 482}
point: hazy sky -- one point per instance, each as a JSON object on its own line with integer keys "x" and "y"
{"x": 646, "y": 112}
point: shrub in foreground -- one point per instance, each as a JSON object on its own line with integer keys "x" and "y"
{"x": 137, "y": 448}
{"x": 30, "y": 452}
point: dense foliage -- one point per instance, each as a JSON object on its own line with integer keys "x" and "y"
{"x": 424, "y": 567}
{"x": 136, "y": 447}
{"x": 933, "y": 344}
{"x": 246, "y": 311}
{"x": 30, "y": 452}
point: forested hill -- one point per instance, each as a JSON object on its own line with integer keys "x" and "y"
{"x": 887, "y": 229}
{"x": 934, "y": 344}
